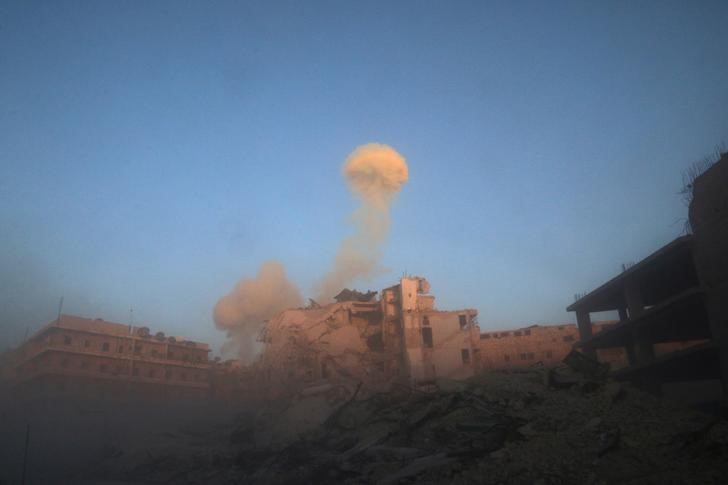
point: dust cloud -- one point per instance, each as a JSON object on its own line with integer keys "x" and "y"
{"x": 242, "y": 312}
{"x": 375, "y": 173}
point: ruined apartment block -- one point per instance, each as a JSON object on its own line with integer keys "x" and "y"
{"x": 401, "y": 336}
{"x": 435, "y": 343}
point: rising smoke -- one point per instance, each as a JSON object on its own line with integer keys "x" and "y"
{"x": 242, "y": 312}
{"x": 375, "y": 173}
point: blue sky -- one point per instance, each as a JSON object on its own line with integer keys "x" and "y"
{"x": 153, "y": 153}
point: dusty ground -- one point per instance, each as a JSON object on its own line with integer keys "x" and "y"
{"x": 68, "y": 438}
{"x": 495, "y": 428}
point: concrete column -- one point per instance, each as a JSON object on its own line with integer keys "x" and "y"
{"x": 629, "y": 346}
{"x": 643, "y": 349}
{"x": 623, "y": 314}
{"x": 583, "y": 321}
{"x": 717, "y": 306}
{"x": 633, "y": 297}
{"x": 631, "y": 353}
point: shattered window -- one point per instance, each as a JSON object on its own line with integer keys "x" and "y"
{"x": 105, "y": 347}
{"x": 465, "y": 354}
{"x": 427, "y": 337}
{"x": 463, "y": 321}
{"x": 425, "y": 320}
{"x": 376, "y": 342}
{"x": 66, "y": 340}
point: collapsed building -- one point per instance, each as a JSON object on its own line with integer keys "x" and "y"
{"x": 400, "y": 337}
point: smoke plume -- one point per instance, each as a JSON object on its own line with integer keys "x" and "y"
{"x": 243, "y": 311}
{"x": 375, "y": 173}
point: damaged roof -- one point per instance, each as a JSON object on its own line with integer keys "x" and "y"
{"x": 354, "y": 295}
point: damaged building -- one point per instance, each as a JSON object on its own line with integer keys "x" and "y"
{"x": 399, "y": 336}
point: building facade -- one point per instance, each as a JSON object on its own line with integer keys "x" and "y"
{"x": 546, "y": 344}
{"x": 95, "y": 358}
{"x": 434, "y": 343}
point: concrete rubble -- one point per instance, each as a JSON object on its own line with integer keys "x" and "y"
{"x": 398, "y": 337}
{"x": 496, "y": 427}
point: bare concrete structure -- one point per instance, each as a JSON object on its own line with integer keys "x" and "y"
{"x": 401, "y": 336}
{"x": 678, "y": 293}
{"x": 92, "y": 357}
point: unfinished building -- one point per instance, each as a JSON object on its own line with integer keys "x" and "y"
{"x": 398, "y": 337}
{"x": 677, "y": 294}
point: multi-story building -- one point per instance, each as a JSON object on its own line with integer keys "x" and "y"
{"x": 550, "y": 344}
{"x": 677, "y": 294}
{"x": 547, "y": 344}
{"x": 92, "y": 357}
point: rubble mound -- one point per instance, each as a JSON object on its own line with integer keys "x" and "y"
{"x": 532, "y": 427}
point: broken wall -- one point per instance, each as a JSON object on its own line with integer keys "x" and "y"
{"x": 454, "y": 353}
{"x": 342, "y": 342}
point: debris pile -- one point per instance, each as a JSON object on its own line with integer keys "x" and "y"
{"x": 518, "y": 427}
